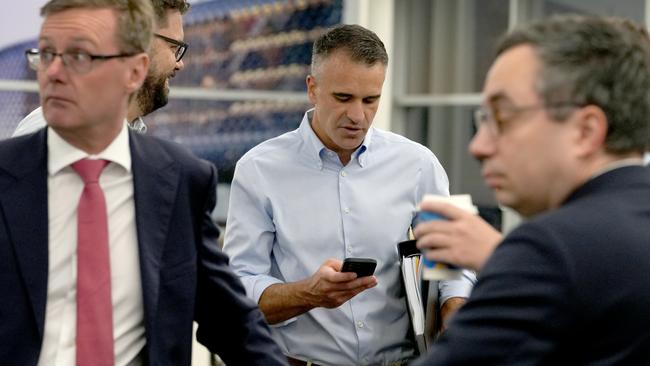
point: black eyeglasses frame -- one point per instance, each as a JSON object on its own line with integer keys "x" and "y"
{"x": 182, "y": 46}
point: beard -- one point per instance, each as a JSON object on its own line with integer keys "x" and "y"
{"x": 153, "y": 94}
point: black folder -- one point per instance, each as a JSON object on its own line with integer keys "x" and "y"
{"x": 416, "y": 293}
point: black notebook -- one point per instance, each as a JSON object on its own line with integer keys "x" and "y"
{"x": 415, "y": 297}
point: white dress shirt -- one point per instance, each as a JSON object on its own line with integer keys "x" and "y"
{"x": 64, "y": 190}
{"x": 33, "y": 122}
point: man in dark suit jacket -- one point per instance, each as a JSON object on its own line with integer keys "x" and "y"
{"x": 561, "y": 134}
{"x": 165, "y": 267}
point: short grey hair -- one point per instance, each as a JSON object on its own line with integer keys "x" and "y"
{"x": 598, "y": 61}
{"x": 135, "y": 19}
{"x": 360, "y": 44}
{"x": 160, "y": 8}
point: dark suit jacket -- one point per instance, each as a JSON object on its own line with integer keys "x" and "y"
{"x": 569, "y": 287}
{"x": 185, "y": 276}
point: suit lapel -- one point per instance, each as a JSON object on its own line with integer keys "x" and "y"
{"x": 23, "y": 200}
{"x": 155, "y": 181}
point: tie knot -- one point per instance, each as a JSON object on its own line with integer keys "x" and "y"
{"x": 89, "y": 170}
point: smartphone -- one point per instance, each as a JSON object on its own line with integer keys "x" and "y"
{"x": 361, "y": 266}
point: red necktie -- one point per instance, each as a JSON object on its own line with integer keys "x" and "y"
{"x": 94, "y": 307}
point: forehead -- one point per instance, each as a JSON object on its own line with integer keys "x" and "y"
{"x": 513, "y": 76}
{"x": 94, "y": 26}
{"x": 171, "y": 25}
{"x": 341, "y": 74}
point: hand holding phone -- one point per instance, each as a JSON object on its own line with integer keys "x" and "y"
{"x": 361, "y": 266}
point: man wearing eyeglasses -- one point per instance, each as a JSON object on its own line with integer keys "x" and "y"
{"x": 167, "y": 51}
{"x": 107, "y": 250}
{"x": 561, "y": 134}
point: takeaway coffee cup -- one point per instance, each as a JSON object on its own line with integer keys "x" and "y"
{"x": 435, "y": 270}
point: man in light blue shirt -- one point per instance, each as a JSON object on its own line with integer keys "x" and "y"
{"x": 334, "y": 188}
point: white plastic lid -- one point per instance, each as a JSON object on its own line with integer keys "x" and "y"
{"x": 463, "y": 201}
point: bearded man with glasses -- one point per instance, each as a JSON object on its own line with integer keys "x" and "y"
{"x": 166, "y": 54}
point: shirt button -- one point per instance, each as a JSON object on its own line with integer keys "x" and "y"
{"x": 360, "y": 324}
{"x": 350, "y": 250}
{"x": 343, "y": 174}
{"x": 347, "y": 210}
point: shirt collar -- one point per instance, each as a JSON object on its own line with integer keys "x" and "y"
{"x": 618, "y": 164}
{"x": 138, "y": 125}
{"x": 362, "y": 152}
{"x": 61, "y": 154}
{"x": 316, "y": 149}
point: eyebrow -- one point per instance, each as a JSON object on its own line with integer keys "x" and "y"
{"x": 342, "y": 95}
{"x": 347, "y": 95}
{"x": 74, "y": 41}
{"x": 173, "y": 41}
{"x": 498, "y": 97}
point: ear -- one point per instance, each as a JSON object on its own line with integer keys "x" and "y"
{"x": 311, "y": 89}
{"x": 139, "y": 66}
{"x": 592, "y": 127}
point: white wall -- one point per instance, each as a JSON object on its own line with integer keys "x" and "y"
{"x": 20, "y": 21}
{"x": 376, "y": 15}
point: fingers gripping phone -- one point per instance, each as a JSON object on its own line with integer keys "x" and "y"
{"x": 361, "y": 266}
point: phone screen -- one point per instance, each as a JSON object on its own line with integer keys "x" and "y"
{"x": 361, "y": 266}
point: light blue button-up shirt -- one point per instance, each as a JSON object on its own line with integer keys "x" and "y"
{"x": 293, "y": 205}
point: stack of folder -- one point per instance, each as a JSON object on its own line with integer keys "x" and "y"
{"x": 415, "y": 296}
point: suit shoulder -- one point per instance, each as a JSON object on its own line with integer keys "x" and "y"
{"x": 19, "y": 143}
{"x": 173, "y": 151}
{"x": 23, "y": 152}
{"x": 177, "y": 150}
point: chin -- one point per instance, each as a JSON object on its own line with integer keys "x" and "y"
{"x": 61, "y": 124}
{"x": 523, "y": 208}
{"x": 350, "y": 144}
{"x": 504, "y": 198}
{"x": 55, "y": 119}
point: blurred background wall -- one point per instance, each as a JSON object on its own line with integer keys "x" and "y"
{"x": 244, "y": 77}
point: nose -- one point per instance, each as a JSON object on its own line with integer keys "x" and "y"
{"x": 180, "y": 65}
{"x": 482, "y": 145}
{"x": 55, "y": 69}
{"x": 355, "y": 112}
